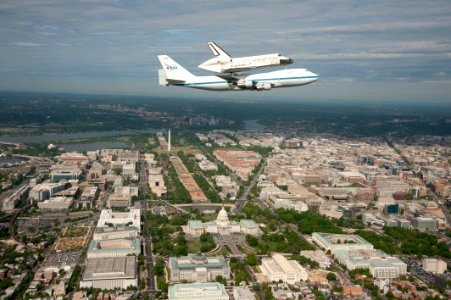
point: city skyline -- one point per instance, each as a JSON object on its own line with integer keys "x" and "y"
{"x": 384, "y": 51}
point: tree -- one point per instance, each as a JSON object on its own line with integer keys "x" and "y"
{"x": 331, "y": 276}
{"x": 251, "y": 259}
{"x": 221, "y": 279}
{"x": 159, "y": 267}
{"x": 6, "y": 283}
{"x": 251, "y": 240}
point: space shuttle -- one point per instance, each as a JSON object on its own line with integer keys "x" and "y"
{"x": 224, "y": 63}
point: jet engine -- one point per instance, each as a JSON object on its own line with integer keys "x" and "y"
{"x": 245, "y": 84}
{"x": 263, "y": 86}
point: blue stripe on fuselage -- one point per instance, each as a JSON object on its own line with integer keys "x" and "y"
{"x": 253, "y": 80}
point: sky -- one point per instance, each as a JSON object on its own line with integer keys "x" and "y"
{"x": 385, "y": 50}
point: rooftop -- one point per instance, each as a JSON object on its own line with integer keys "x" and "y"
{"x": 110, "y": 268}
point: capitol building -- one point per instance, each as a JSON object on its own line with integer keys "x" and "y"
{"x": 222, "y": 226}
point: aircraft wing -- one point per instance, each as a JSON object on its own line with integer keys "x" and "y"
{"x": 228, "y": 77}
{"x": 175, "y": 81}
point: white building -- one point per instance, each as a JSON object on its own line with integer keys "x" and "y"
{"x": 222, "y": 225}
{"x": 381, "y": 265}
{"x": 319, "y": 256}
{"x": 114, "y": 247}
{"x": 277, "y": 268}
{"x": 197, "y": 291}
{"x": 334, "y": 242}
{"x": 122, "y": 196}
{"x": 117, "y": 232}
{"x": 287, "y": 204}
{"x": 88, "y": 196}
{"x": 128, "y": 170}
{"x": 56, "y": 203}
{"x": 434, "y": 265}
{"x": 108, "y": 218}
{"x": 198, "y": 268}
{"x": 156, "y": 182}
{"x": 110, "y": 273}
{"x": 206, "y": 165}
{"x": 45, "y": 190}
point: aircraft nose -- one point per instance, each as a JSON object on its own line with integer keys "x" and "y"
{"x": 286, "y": 61}
{"x": 314, "y": 76}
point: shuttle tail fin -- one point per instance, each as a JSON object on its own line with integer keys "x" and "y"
{"x": 173, "y": 71}
{"x": 217, "y": 51}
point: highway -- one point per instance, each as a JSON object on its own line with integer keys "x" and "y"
{"x": 148, "y": 258}
{"x": 242, "y": 200}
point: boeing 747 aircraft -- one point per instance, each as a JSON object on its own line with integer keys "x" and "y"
{"x": 174, "y": 74}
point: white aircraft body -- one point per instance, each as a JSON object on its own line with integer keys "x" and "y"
{"x": 224, "y": 63}
{"x": 174, "y": 74}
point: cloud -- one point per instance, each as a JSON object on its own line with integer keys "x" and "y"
{"x": 26, "y": 44}
{"x": 352, "y": 42}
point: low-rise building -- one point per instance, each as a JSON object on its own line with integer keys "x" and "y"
{"x": 277, "y": 268}
{"x": 56, "y": 203}
{"x": 380, "y": 264}
{"x": 425, "y": 223}
{"x": 44, "y": 191}
{"x": 334, "y": 242}
{"x": 108, "y": 218}
{"x": 114, "y": 247}
{"x": 65, "y": 173}
{"x": 116, "y": 232}
{"x": 206, "y": 165}
{"x": 197, "y": 291}
{"x": 156, "y": 182}
{"x": 122, "y": 196}
{"x": 319, "y": 256}
{"x": 110, "y": 273}
{"x": 287, "y": 204}
{"x": 198, "y": 268}
{"x": 434, "y": 265}
{"x": 88, "y": 196}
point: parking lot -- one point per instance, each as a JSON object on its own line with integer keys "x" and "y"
{"x": 61, "y": 259}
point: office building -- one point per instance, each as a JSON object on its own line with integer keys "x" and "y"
{"x": 114, "y": 247}
{"x": 380, "y": 264}
{"x": 198, "y": 291}
{"x": 116, "y": 232}
{"x": 65, "y": 173}
{"x": 198, "y": 268}
{"x": 108, "y": 218}
{"x": 277, "y": 268}
{"x": 334, "y": 242}
{"x": 44, "y": 191}
{"x": 318, "y": 256}
{"x": 88, "y": 197}
{"x": 110, "y": 273}
{"x": 434, "y": 265}
{"x": 425, "y": 223}
{"x": 56, "y": 203}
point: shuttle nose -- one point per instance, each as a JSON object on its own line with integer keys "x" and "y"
{"x": 286, "y": 61}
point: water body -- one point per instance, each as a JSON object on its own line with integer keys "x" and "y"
{"x": 93, "y": 146}
{"x": 55, "y": 137}
{"x": 253, "y": 126}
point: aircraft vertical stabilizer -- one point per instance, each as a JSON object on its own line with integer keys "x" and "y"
{"x": 173, "y": 70}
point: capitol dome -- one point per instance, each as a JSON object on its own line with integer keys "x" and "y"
{"x": 223, "y": 218}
